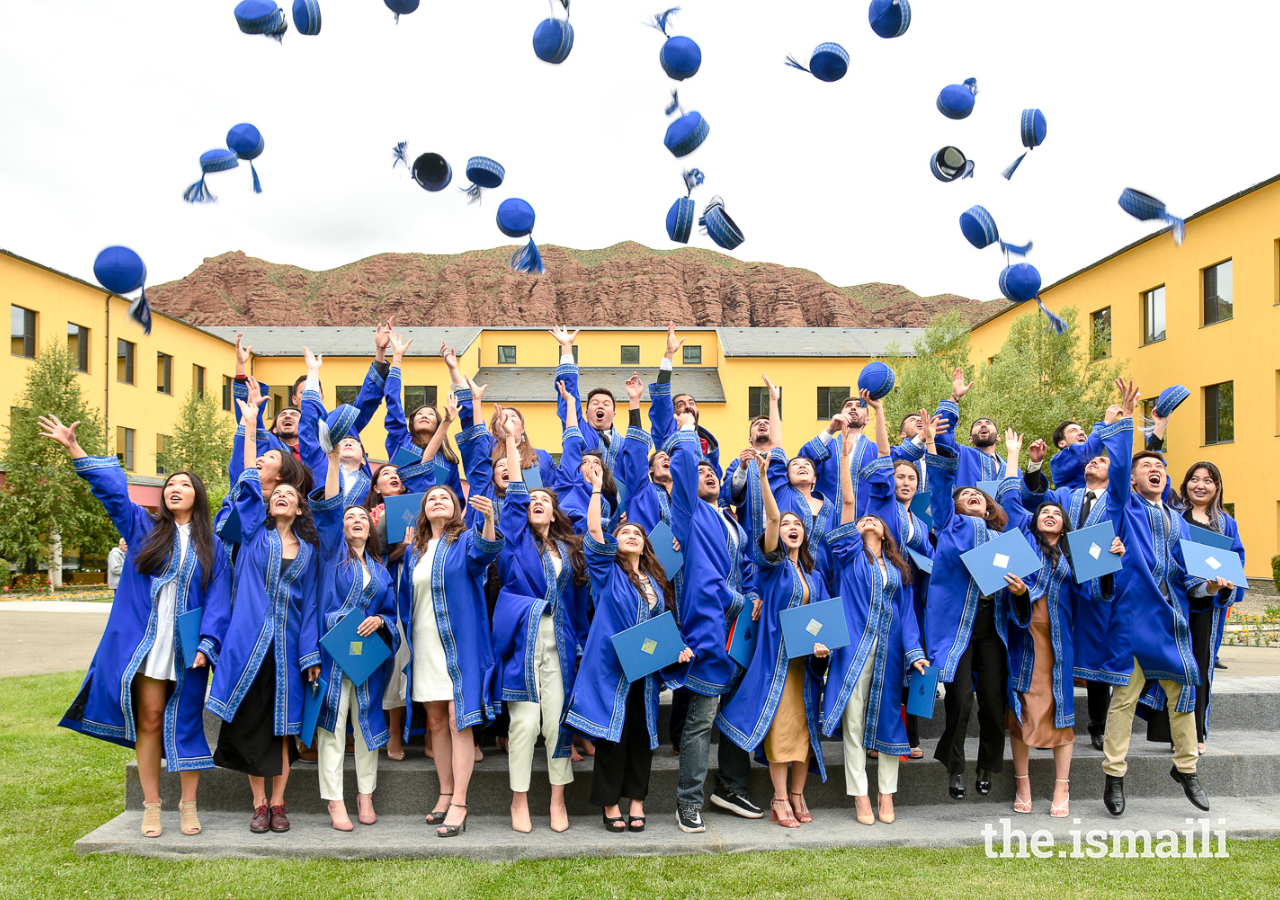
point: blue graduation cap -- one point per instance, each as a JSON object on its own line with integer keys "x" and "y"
{"x": 1170, "y": 399}
{"x": 955, "y": 101}
{"x": 922, "y": 691}
{"x": 261, "y": 17}
{"x": 920, "y": 506}
{"x": 218, "y": 160}
{"x": 338, "y": 424}
{"x": 515, "y": 219}
{"x": 922, "y": 562}
{"x": 950, "y": 164}
{"x": 682, "y": 213}
{"x": 1019, "y": 283}
{"x": 1145, "y": 207}
{"x": 246, "y": 142}
{"x": 313, "y": 695}
{"x": 680, "y": 57}
{"x": 483, "y": 173}
{"x": 1208, "y": 562}
{"x": 121, "y": 271}
{"x": 719, "y": 227}
{"x": 1033, "y": 129}
{"x": 1091, "y": 555}
{"x": 1211, "y": 538}
{"x": 877, "y": 379}
{"x": 979, "y": 228}
{"x": 649, "y": 646}
{"x": 401, "y": 7}
{"x": 1008, "y": 554}
{"x": 553, "y": 38}
{"x": 432, "y": 172}
{"x": 989, "y": 487}
{"x": 401, "y": 512}
{"x": 357, "y": 656}
{"x": 742, "y": 637}
{"x": 686, "y": 133}
{"x": 889, "y": 18}
{"x": 663, "y": 541}
{"x": 189, "y": 634}
{"x": 828, "y": 62}
{"x": 306, "y": 16}
{"x": 814, "y": 623}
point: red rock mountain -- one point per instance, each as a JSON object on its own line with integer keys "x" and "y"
{"x": 626, "y": 284}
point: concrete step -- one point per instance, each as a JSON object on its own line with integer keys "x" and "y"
{"x": 489, "y": 837}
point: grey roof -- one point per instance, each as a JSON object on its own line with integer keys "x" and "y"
{"x": 527, "y": 384}
{"x": 857, "y": 342}
{"x": 333, "y": 340}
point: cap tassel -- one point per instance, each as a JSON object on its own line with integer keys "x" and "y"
{"x": 674, "y": 105}
{"x": 968, "y": 170}
{"x": 198, "y": 193}
{"x": 1016, "y": 249}
{"x": 473, "y": 193}
{"x": 659, "y": 21}
{"x": 693, "y": 178}
{"x": 791, "y": 61}
{"x": 1179, "y": 229}
{"x": 1057, "y": 323}
{"x": 565, "y": 4}
{"x": 1008, "y": 173}
{"x": 715, "y": 201}
{"x": 257, "y": 185}
{"x": 528, "y": 260}
{"x": 140, "y": 312}
{"x": 400, "y": 154}
{"x": 972, "y": 85}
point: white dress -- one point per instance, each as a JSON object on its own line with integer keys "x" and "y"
{"x": 160, "y": 660}
{"x": 431, "y": 681}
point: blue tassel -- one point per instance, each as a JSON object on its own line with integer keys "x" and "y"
{"x": 660, "y": 20}
{"x": 1018, "y": 250}
{"x": 528, "y": 260}
{"x": 972, "y": 85}
{"x": 1058, "y": 324}
{"x": 140, "y": 312}
{"x": 1179, "y": 229}
{"x": 472, "y": 192}
{"x": 693, "y": 178}
{"x": 1008, "y": 173}
{"x": 198, "y": 193}
{"x": 257, "y": 185}
{"x": 791, "y": 61}
{"x": 397, "y": 18}
{"x": 715, "y": 201}
{"x": 968, "y": 169}
{"x": 400, "y": 154}
{"x": 675, "y": 103}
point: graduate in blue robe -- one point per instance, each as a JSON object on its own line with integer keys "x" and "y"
{"x": 647, "y": 502}
{"x": 599, "y": 433}
{"x": 139, "y": 692}
{"x": 413, "y": 432}
{"x": 662, "y": 418}
{"x": 973, "y": 464}
{"x": 573, "y": 487}
{"x": 1074, "y": 450}
{"x": 355, "y": 476}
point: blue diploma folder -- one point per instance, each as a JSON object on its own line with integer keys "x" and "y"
{"x": 1091, "y": 555}
{"x": 231, "y": 531}
{"x": 1009, "y": 554}
{"x": 742, "y": 637}
{"x": 405, "y": 457}
{"x": 814, "y": 623}
{"x": 672, "y": 559}
{"x": 922, "y": 692}
{"x": 920, "y": 505}
{"x": 312, "y": 703}
{"x": 533, "y": 478}
{"x": 357, "y": 656}
{"x": 1213, "y": 562}
{"x": 189, "y": 634}
{"x": 400, "y": 513}
{"x": 989, "y": 487}
{"x": 649, "y": 646}
{"x": 923, "y": 563}
{"x": 1210, "y": 538}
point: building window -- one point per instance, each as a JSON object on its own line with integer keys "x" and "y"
{"x": 124, "y": 362}
{"x": 693, "y": 355}
{"x": 197, "y": 381}
{"x": 418, "y": 395}
{"x": 1219, "y": 413}
{"x": 22, "y": 332}
{"x": 1229, "y": 509}
{"x": 1153, "y": 315}
{"x": 758, "y": 402}
{"x": 78, "y": 345}
{"x": 227, "y": 381}
{"x": 347, "y": 393}
{"x": 507, "y": 355}
{"x": 1100, "y": 334}
{"x": 575, "y": 354}
{"x": 631, "y": 354}
{"x": 830, "y": 399}
{"x": 162, "y": 448}
{"x": 1217, "y": 293}
{"x": 164, "y": 373}
{"x": 277, "y": 404}
{"x": 124, "y": 447}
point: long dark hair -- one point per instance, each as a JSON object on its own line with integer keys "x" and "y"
{"x": 652, "y": 570}
{"x": 374, "y": 498}
{"x": 304, "y": 526}
{"x": 423, "y": 440}
{"x": 607, "y": 483}
{"x": 372, "y": 547}
{"x": 889, "y": 547}
{"x": 1052, "y": 552}
{"x": 561, "y": 529}
{"x": 1215, "y": 508}
{"x": 154, "y": 555}
{"x": 996, "y": 518}
{"x": 803, "y": 556}
{"x": 528, "y": 455}
{"x": 294, "y": 473}
{"x": 453, "y": 529}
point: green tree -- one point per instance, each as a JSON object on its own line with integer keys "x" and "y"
{"x": 201, "y": 443}
{"x": 924, "y": 379}
{"x": 44, "y": 504}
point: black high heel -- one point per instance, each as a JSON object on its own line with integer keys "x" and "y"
{"x": 445, "y": 831}
{"x": 635, "y": 823}
{"x": 437, "y": 818}
{"x": 614, "y": 824}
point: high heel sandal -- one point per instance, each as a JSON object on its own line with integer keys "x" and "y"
{"x": 802, "y": 810}
{"x": 190, "y": 822}
{"x": 1023, "y": 806}
{"x": 445, "y": 831}
{"x": 635, "y": 823}
{"x": 151, "y": 820}
{"x": 437, "y": 818}
{"x": 869, "y": 818}
{"x": 614, "y": 824}
{"x": 1061, "y": 812}
{"x": 781, "y": 820}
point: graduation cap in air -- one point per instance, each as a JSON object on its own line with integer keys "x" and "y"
{"x": 828, "y": 62}
{"x": 955, "y": 101}
{"x": 246, "y": 142}
{"x": 306, "y": 16}
{"x": 682, "y": 213}
{"x": 261, "y": 17}
{"x": 218, "y": 160}
{"x": 1170, "y": 399}
{"x": 1145, "y": 207}
{"x": 401, "y": 7}
{"x": 1019, "y": 283}
{"x": 338, "y": 424}
{"x": 515, "y": 219}
{"x": 950, "y": 164}
{"x": 484, "y": 174}
{"x": 680, "y": 57}
{"x": 877, "y": 379}
{"x": 121, "y": 271}
{"x": 717, "y": 225}
{"x": 979, "y": 228}
{"x": 1033, "y": 129}
{"x": 889, "y": 18}
{"x": 430, "y": 170}
{"x": 553, "y": 38}
{"x": 686, "y": 133}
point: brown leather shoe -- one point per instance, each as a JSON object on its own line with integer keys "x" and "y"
{"x": 305, "y": 753}
{"x": 279, "y": 821}
{"x": 261, "y": 822}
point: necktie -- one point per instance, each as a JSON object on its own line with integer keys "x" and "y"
{"x": 1084, "y": 512}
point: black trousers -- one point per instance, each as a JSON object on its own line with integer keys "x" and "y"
{"x": 913, "y": 722}
{"x": 986, "y": 658}
{"x": 1099, "y": 694}
{"x": 1200, "y": 625}
{"x": 622, "y": 768}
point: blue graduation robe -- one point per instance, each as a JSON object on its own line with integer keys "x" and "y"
{"x": 572, "y": 491}
{"x": 421, "y": 476}
{"x": 972, "y": 464}
{"x": 608, "y": 443}
{"x": 908, "y": 529}
{"x": 662, "y": 426}
{"x": 266, "y": 440}
{"x": 354, "y": 486}
{"x": 104, "y": 706}
{"x": 647, "y": 503}
{"x": 1067, "y": 465}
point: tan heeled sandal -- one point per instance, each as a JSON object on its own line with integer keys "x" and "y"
{"x": 1061, "y": 812}
{"x": 1019, "y": 805}
{"x": 151, "y": 820}
{"x": 189, "y": 821}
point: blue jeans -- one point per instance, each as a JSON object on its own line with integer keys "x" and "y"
{"x": 695, "y": 754}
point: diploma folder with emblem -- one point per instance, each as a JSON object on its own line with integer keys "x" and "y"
{"x": 1091, "y": 555}
{"x": 742, "y": 637}
{"x": 663, "y": 541}
{"x": 406, "y": 457}
{"x": 1008, "y": 554}
{"x": 189, "y": 633}
{"x": 312, "y": 703}
{"x": 922, "y": 692}
{"x": 357, "y": 656}
{"x": 649, "y": 646}
{"x": 399, "y": 513}
{"x": 1209, "y": 563}
{"x": 814, "y": 623}
{"x": 1211, "y": 538}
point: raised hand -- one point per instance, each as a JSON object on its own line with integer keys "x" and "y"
{"x": 52, "y": 428}
{"x": 958, "y": 385}
{"x": 941, "y": 425}
{"x": 1114, "y": 411}
{"x": 1037, "y": 450}
{"x": 248, "y": 413}
{"x": 477, "y": 391}
{"x": 451, "y": 408}
{"x": 747, "y": 456}
{"x": 1012, "y": 443}
{"x": 382, "y": 337}
{"x": 673, "y": 344}
{"x": 482, "y": 505}
{"x": 839, "y": 422}
{"x": 847, "y": 442}
{"x": 775, "y": 393}
{"x": 1129, "y": 396}
{"x": 564, "y": 391}
{"x": 499, "y": 423}
{"x": 595, "y": 478}
{"x": 564, "y": 338}
{"x": 635, "y": 387}
{"x": 865, "y": 396}
{"x": 256, "y": 398}
{"x": 684, "y": 419}
{"x": 449, "y": 356}
{"x": 242, "y": 352}
{"x": 399, "y": 345}
{"x": 762, "y": 462}
{"x": 313, "y": 361}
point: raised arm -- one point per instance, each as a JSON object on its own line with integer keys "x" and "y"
{"x": 849, "y": 499}
{"x": 882, "y": 427}
{"x": 312, "y": 412}
{"x": 1120, "y": 451}
{"x": 775, "y": 412}
{"x": 1012, "y": 446}
{"x": 567, "y": 392}
{"x": 594, "y": 527}
{"x": 397, "y": 427}
{"x": 772, "y": 518}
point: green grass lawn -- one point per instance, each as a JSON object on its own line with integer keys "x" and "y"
{"x": 56, "y": 786}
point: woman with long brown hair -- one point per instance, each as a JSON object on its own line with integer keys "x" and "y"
{"x": 420, "y": 432}
{"x": 139, "y": 692}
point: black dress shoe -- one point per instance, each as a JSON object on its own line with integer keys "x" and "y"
{"x": 1095, "y": 740}
{"x": 1191, "y": 787}
{"x": 1218, "y": 665}
{"x": 1113, "y": 795}
{"x": 957, "y": 786}
{"x": 982, "y": 781}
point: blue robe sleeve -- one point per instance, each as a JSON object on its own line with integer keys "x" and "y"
{"x": 309, "y": 630}
{"x": 513, "y": 521}
{"x": 1119, "y": 444}
{"x": 908, "y": 450}
{"x": 240, "y": 391}
{"x": 949, "y": 410}
{"x": 684, "y": 484}
{"x": 475, "y": 445}
{"x": 642, "y": 503}
{"x": 466, "y": 409}
{"x": 662, "y": 413}
{"x": 397, "y": 427}
{"x": 481, "y": 553}
{"x": 309, "y": 436}
{"x": 568, "y": 373}
{"x": 942, "y": 475}
{"x": 846, "y": 543}
{"x": 328, "y": 516}
{"x": 109, "y": 484}
{"x": 217, "y": 606}
{"x": 817, "y": 451}
{"x": 246, "y": 495}
{"x": 1232, "y": 530}
{"x": 370, "y": 397}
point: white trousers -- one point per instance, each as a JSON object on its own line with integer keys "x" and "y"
{"x": 528, "y": 720}
{"x": 853, "y": 727}
{"x": 331, "y": 750}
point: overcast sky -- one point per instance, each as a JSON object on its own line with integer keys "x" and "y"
{"x": 106, "y": 106}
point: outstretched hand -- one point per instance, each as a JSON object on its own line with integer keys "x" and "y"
{"x": 52, "y": 428}
{"x": 673, "y": 344}
{"x": 1012, "y": 442}
{"x": 635, "y": 388}
{"x": 1037, "y": 450}
{"x": 477, "y": 391}
{"x": 564, "y": 338}
{"x": 1129, "y": 393}
{"x": 958, "y": 385}
{"x": 775, "y": 392}
{"x": 242, "y": 352}
{"x": 314, "y": 361}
